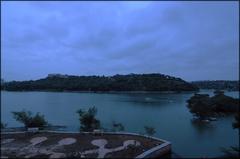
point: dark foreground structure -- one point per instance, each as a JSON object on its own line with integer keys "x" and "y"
{"x": 53, "y": 144}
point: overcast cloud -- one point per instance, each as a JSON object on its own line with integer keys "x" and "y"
{"x": 190, "y": 40}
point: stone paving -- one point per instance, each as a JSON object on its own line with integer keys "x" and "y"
{"x": 54, "y": 145}
{"x": 31, "y": 151}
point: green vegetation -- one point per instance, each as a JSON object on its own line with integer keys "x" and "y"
{"x": 30, "y": 121}
{"x": 219, "y": 85}
{"x": 150, "y": 131}
{"x": 131, "y": 82}
{"x": 88, "y": 120}
{"x": 199, "y": 105}
{"x": 117, "y": 126}
{"x": 203, "y": 106}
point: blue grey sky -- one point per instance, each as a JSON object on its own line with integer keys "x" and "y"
{"x": 190, "y": 40}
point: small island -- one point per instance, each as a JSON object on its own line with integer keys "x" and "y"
{"x": 205, "y": 107}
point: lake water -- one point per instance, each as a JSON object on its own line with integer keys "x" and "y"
{"x": 167, "y": 113}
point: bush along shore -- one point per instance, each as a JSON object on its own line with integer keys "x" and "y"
{"x": 87, "y": 119}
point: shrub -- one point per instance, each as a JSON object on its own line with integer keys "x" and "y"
{"x": 87, "y": 119}
{"x": 117, "y": 126}
{"x": 149, "y": 130}
{"x": 28, "y": 120}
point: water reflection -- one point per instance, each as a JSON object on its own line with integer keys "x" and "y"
{"x": 167, "y": 113}
{"x": 203, "y": 127}
{"x": 153, "y": 99}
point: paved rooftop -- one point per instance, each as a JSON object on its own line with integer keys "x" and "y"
{"x": 61, "y": 145}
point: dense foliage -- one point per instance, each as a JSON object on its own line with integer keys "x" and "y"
{"x": 28, "y": 120}
{"x": 202, "y": 105}
{"x": 88, "y": 120}
{"x": 219, "y": 85}
{"x": 149, "y": 130}
{"x": 117, "y": 126}
{"x": 131, "y": 82}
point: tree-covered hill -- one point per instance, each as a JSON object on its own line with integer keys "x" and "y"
{"x": 131, "y": 82}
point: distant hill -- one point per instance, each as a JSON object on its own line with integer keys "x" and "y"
{"x": 219, "y": 85}
{"x": 131, "y": 82}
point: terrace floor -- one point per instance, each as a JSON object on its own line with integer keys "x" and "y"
{"x": 62, "y": 145}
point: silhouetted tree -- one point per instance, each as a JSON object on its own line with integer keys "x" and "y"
{"x": 88, "y": 120}
{"x": 149, "y": 130}
{"x": 28, "y": 120}
{"x": 117, "y": 126}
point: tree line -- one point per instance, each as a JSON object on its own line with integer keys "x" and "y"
{"x": 131, "y": 82}
{"x": 87, "y": 119}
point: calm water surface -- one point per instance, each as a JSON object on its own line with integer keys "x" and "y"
{"x": 167, "y": 113}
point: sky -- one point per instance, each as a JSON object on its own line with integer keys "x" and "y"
{"x": 190, "y": 40}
